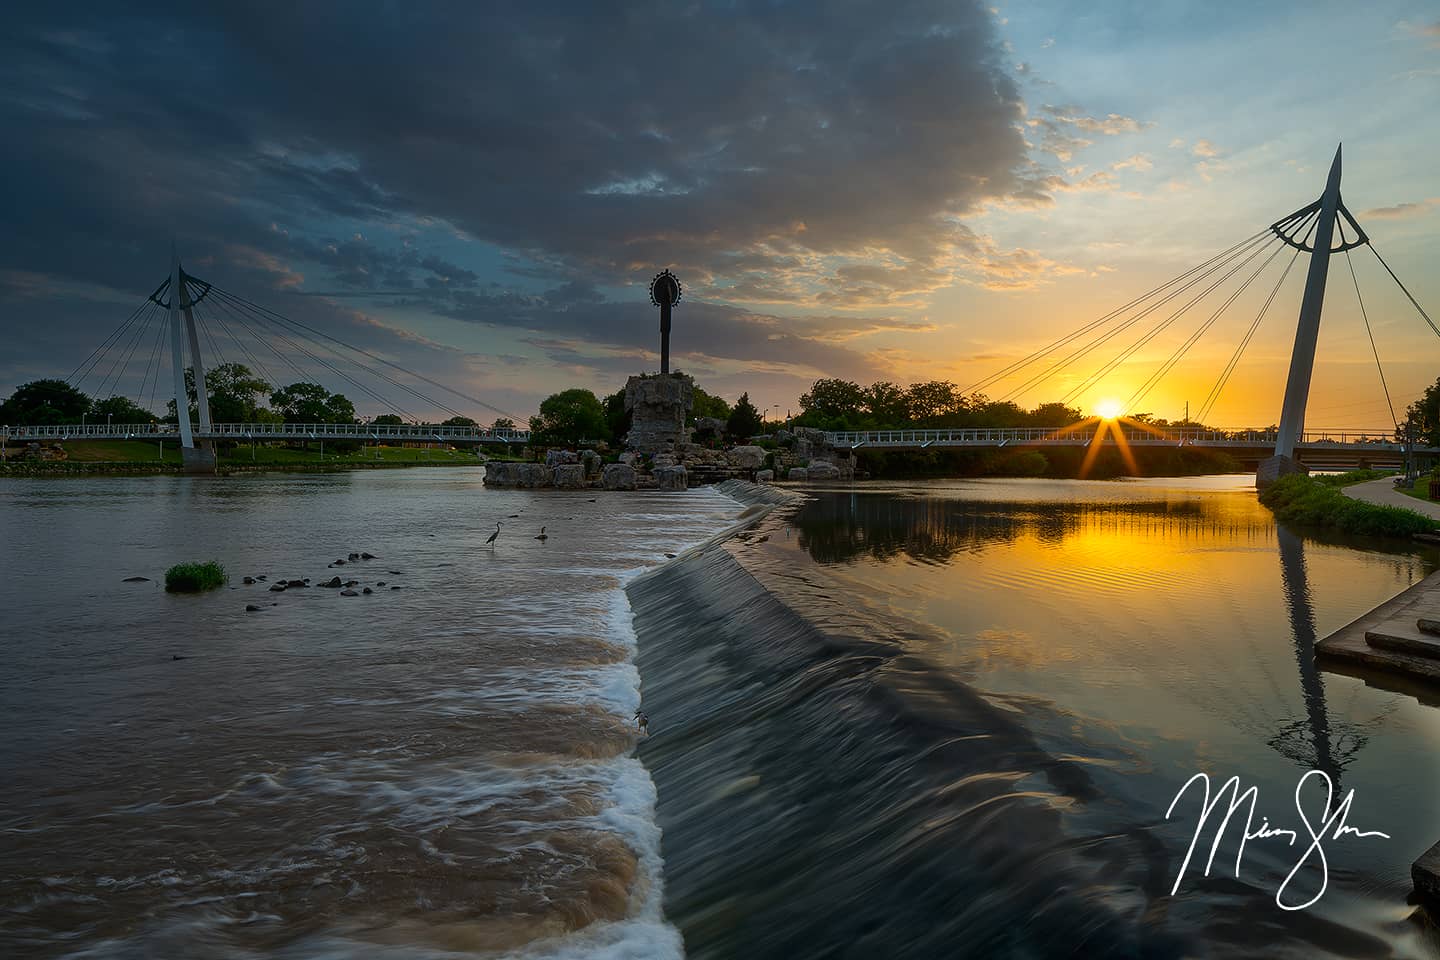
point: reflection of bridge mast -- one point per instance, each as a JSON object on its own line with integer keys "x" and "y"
{"x": 1318, "y": 750}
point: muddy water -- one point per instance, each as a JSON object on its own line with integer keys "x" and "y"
{"x": 442, "y": 769}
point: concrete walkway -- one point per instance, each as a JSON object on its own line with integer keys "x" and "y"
{"x": 1383, "y": 492}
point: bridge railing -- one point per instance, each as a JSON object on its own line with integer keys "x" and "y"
{"x": 1083, "y": 434}
{"x": 261, "y": 431}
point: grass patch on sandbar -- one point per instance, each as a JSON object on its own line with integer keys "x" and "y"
{"x": 194, "y": 577}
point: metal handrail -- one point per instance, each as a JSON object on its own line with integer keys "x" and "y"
{"x": 247, "y": 431}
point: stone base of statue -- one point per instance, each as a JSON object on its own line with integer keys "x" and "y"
{"x": 659, "y": 405}
{"x": 1273, "y": 468}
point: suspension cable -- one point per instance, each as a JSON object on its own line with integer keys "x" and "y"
{"x": 1404, "y": 289}
{"x": 154, "y": 354}
{"x": 219, "y": 318}
{"x": 1194, "y": 338}
{"x": 117, "y": 369}
{"x": 1373, "y": 349}
{"x": 1076, "y": 334}
{"x": 1255, "y": 243}
{"x": 1224, "y": 377}
{"x": 1145, "y": 338}
{"x": 114, "y": 335}
{"x": 275, "y": 320}
{"x": 378, "y": 359}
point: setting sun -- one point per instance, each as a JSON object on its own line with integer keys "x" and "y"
{"x": 1108, "y": 409}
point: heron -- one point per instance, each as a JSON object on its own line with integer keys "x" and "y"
{"x": 495, "y": 534}
{"x": 542, "y": 535}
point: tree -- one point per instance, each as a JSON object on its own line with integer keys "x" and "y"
{"x": 234, "y": 392}
{"x": 706, "y": 405}
{"x": 459, "y": 422}
{"x": 1422, "y": 418}
{"x": 502, "y": 423}
{"x": 312, "y": 403}
{"x": 119, "y": 410}
{"x": 832, "y": 403}
{"x": 44, "y": 402}
{"x": 887, "y": 404}
{"x": 935, "y": 403}
{"x": 617, "y": 418}
{"x": 570, "y": 417}
{"x": 388, "y": 420}
{"x": 744, "y": 419}
{"x": 1054, "y": 415}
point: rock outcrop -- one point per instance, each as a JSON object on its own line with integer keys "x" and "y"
{"x": 748, "y": 458}
{"x": 619, "y": 476}
{"x": 517, "y": 475}
{"x": 658, "y": 408}
{"x": 764, "y": 476}
{"x": 671, "y": 478}
{"x": 570, "y": 476}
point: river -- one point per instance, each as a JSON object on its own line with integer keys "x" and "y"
{"x": 912, "y": 720}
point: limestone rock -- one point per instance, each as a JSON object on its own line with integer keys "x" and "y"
{"x": 764, "y": 476}
{"x": 619, "y": 476}
{"x": 658, "y": 407}
{"x": 570, "y": 476}
{"x": 629, "y": 457}
{"x": 556, "y": 457}
{"x": 747, "y": 458}
{"x": 517, "y": 475}
{"x": 822, "y": 470}
{"x": 798, "y": 473}
{"x": 593, "y": 463}
{"x": 709, "y": 426}
{"x": 671, "y": 478}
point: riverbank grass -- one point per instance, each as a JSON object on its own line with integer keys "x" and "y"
{"x": 1310, "y": 501}
{"x": 195, "y": 577}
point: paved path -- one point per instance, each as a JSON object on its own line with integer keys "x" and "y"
{"x": 1383, "y": 492}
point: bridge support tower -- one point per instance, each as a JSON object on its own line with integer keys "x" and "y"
{"x": 1307, "y": 333}
{"x": 196, "y": 457}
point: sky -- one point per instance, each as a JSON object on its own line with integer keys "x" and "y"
{"x": 896, "y": 191}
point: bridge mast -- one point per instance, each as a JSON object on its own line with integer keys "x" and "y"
{"x": 202, "y": 395}
{"x": 1302, "y": 361}
{"x": 177, "y": 353}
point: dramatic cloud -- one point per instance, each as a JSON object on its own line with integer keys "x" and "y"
{"x": 1402, "y": 211}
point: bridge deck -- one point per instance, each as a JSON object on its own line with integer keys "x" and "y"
{"x": 414, "y": 433}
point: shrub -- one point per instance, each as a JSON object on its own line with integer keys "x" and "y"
{"x": 1352, "y": 476}
{"x": 194, "y": 577}
{"x": 1308, "y": 501}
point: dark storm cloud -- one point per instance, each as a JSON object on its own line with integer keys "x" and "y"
{"x": 744, "y": 144}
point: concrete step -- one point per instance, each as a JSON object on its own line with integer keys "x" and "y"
{"x": 1402, "y": 634}
{"x": 1429, "y": 624}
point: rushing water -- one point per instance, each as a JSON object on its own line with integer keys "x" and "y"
{"x": 440, "y": 769}
{"x": 947, "y": 720}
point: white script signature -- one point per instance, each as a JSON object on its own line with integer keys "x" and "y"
{"x": 1332, "y": 826}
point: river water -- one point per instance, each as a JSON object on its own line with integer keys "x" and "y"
{"x": 444, "y": 769}
{"x": 910, "y": 720}
{"x": 959, "y": 730}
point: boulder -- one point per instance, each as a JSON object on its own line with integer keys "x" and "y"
{"x": 557, "y": 457}
{"x": 147, "y": 579}
{"x": 629, "y": 457}
{"x": 671, "y": 478}
{"x": 746, "y": 458}
{"x": 709, "y": 426}
{"x": 277, "y": 587}
{"x": 798, "y": 473}
{"x": 368, "y": 556}
{"x": 619, "y": 476}
{"x": 249, "y": 580}
{"x": 592, "y": 462}
{"x": 367, "y": 591}
{"x": 570, "y": 476}
{"x": 517, "y": 474}
{"x": 251, "y": 608}
{"x": 333, "y": 582}
{"x": 823, "y": 470}
{"x": 663, "y": 460}
{"x": 764, "y": 476}
{"x": 348, "y": 593}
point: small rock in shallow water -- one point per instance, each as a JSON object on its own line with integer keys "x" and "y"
{"x": 353, "y": 556}
{"x": 352, "y": 583}
{"x": 177, "y": 656}
{"x": 393, "y": 573}
{"x": 260, "y": 577}
{"x": 348, "y": 593}
{"x": 332, "y": 582}
{"x": 338, "y": 563}
{"x": 379, "y": 583}
{"x": 251, "y": 608}
{"x": 277, "y": 588}
{"x": 367, "y": 590}
{"x": 669, "y": 556}
{"x": 249, "y": 580}
{"x": 137, "y": 580}
{"x": 394, "y": 588}
{"x": 368, "y": 556}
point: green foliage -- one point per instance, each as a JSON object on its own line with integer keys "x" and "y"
{"x": 1422, "y": 418}
{"x": 312, "y": 403}
{"x": 1351, "y": 476}
{"x": 744, "y": 419}
{"x": 389, "y": 420}
{"x": 617, "y": 418}
{"x": 119, "y": 410}
{"x": 706, "y": 405}
{"x": 503, "y": 423}
{"x": 194, "y": 577}
{"x": 570, "y": 417}
{"x": 235, "y": 394}
{"x": 1306, "y": 501}
{"x": 44, "y": 402}
{"x": 832, "y": 404}
{"x": 459, "y": 422}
